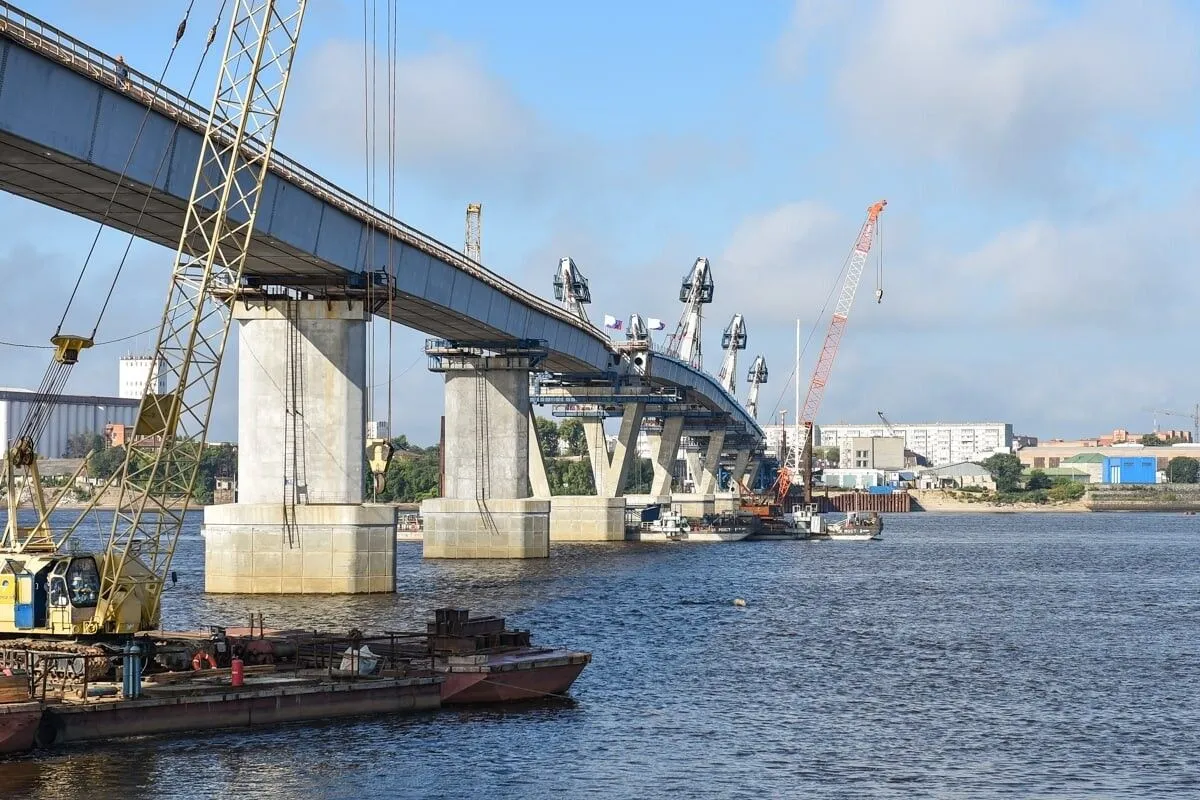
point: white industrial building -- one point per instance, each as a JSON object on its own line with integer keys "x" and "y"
{"x": 134, "y": 373}
{"x": 70, "y": 415}
{"x": 940, "y": 443}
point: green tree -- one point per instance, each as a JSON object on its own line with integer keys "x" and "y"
{"x": 1183, "y": 469}
{"x": 641, "y": 474}
{"x": 571, "y": 432}
{"x": 1005, "y": 469}
{"x": 216, "y": 461}
{"x": 1062, "y": 492}
{"x": 547, "y": 433}
{"x": 1152, "y": 440}
{"x": 105, "y": 463}
{"x": 79, "y": 445}
{"x": 1038, "y": 480}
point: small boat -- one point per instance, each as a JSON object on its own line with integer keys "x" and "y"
{"x": 485, "y": 662}
{"x": 672, "y": 526}
{"x": 858, "y": 526}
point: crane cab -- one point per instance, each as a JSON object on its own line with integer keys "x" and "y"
{"x": 52, "y": 594}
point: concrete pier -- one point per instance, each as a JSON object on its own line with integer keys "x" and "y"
{"x": 299, "y": 525}
{"x": 486, "y": 510}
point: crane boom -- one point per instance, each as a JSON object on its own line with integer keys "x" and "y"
{"x": 158, "y": 477}
{"x": 732, "y": 340}
{"x": 756, "y": 377}
{"x": 695, "y": 292}
{"x": 837, "y": 325}
{"x": 473, "y": 244}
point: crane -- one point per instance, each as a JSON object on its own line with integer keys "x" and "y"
{"x": 887, "y": 426}
{"x": 733, "y": 340}
{"x": 695, "y": 292}
{"x": 571, "y": 288}
{"x": 1194, "y": 416}
{"x": 473, "y": 247}
{"x": 802, "y": 458}
{"x": 638, "y": 332}
{"x": 757, "y": 377}
{"x": 122, "y": 593}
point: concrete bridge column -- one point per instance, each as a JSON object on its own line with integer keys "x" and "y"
{"x": 702, "y": 500}
{"x": 299, "y": 525}
{"x": 602, "y": 517}
{"x": 486, "y": 510}
{"x": 730, "y": 501}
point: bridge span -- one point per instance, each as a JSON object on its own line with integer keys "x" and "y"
{"x": 68, "y": 123}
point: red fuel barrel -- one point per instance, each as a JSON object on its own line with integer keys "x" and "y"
{"x": 237, "y": 674}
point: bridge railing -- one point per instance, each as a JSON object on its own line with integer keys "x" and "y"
{"x": 81, "y": 57}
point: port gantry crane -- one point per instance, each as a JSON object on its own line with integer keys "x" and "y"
{"x": 695, "y": 292}
{"x": 733, "y": 340}
{"x": 571, "y": 288}
{"x": 123, "y": 593}
{"x": 756, "y": 377}
{"x": 800, "y": 457}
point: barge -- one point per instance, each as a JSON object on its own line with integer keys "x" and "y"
{"x": 184, "y": 681}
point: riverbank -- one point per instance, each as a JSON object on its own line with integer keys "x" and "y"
{"x": 941, "y": 500}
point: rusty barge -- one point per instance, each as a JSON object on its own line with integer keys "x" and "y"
{"x": 178, "y": 682}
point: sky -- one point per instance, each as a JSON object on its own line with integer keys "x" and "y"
{"x": 1038, "y": 158}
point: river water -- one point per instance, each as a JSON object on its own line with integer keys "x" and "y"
{"x": 989, "y": 655}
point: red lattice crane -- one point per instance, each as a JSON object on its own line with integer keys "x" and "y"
{"x": 833, "y": 338}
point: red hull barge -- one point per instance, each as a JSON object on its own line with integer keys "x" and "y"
{"x": 18, "y": 726}
{"x": 510, "y": 677}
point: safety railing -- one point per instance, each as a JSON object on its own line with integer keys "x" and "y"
{"x": 81, "y": 57}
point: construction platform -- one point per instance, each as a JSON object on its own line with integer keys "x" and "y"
{"x": 181, "y": 682}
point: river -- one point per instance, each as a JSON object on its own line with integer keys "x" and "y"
{"x": 963, "y": 656}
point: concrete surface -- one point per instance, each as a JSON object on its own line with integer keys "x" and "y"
{"x": 315, "y": 549}
{"x": 587, "y": 519}
{"x": 509, "y": 528}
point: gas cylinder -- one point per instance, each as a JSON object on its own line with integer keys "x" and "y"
{"x": 237, "y": 673}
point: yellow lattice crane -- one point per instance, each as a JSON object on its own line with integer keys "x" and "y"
{"x": 50, "y": 589}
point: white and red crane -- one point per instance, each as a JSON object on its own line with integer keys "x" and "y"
{"x": 800, "y": 456}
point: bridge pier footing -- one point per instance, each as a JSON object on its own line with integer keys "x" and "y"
{"x": 587, "y": 519}
{"x": 486, "y": 510}
{"x": 299, "y": 525}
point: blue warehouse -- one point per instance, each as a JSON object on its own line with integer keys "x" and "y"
{"x": 1126, "y": 469}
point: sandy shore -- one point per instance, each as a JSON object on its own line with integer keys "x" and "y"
{"x": 936, "y": 501}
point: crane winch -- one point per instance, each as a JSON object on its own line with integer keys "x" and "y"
{"x": 733, "y": 340}
{"x": 119, "y": 590}
{"x": 695, "y": 292}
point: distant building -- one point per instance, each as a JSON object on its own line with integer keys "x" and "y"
{"x": 70, "y": 415}
{"x": 1130, "y": 469}
{"x": 1049, "y": 455}
{"x": 939, "y": 443}
{"x": 956, "y": 476}
{"x": 134, "y": 372}
{"x": 873, "y": 452}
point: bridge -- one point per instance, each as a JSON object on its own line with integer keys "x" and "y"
{"x": 68, "y": 127}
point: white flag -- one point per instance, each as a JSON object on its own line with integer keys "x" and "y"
{"x": 655, "y": 324}
{"x": 612, "y": 322}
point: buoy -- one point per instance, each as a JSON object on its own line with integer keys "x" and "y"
{"x": 739, "y": 602}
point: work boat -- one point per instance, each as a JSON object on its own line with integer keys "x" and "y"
{"x": 673, "y": 526}
{"x": 856, "y": 526}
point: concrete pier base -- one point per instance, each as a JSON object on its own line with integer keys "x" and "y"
{"x": 643, "y": 500}
{"x": 727, "y": 502}
{"x": 694, "y": 505}
{"x": 587, "y": 519}
{"x": 315, "y": 549}
{"x": 508, "y": 528}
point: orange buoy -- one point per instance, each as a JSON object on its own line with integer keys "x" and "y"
{"x": 201, "y": 657}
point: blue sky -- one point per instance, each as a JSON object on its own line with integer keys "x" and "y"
{"x": 1038, "y": 158}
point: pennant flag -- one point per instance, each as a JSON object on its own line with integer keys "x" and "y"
{"x": 612, "y": 322}
{"x": 655, "y": 324}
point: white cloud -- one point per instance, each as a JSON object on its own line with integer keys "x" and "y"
{"x": 1008, "y": 89}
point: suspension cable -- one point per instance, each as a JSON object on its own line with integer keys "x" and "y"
{"x": 124, "y": 169}
{"x": 392, "y": 266}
